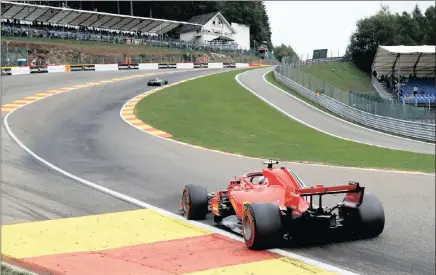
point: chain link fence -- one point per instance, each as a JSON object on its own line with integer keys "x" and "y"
{"x": 367, "y": 102}
{"x": 11, "y": 54}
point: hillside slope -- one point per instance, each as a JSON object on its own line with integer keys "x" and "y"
{"x": 341, "y": 74}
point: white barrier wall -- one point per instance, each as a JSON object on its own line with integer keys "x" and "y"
{"x": 148, "y": 66}
{"x": 185, "y": 65}
{"x": 215, "y": 65}
{"x": 56, "y": 69}
{"x": 20, "y": 70}
{"x": 106, "y": 67}
{"x": 242, "y": 65}
{"x": 111, "y": 67}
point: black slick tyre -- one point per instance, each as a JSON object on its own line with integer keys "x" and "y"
{"x": 261, "y": 225}
{"x": 195, "y": 202}
{"x": 368, "y": 220}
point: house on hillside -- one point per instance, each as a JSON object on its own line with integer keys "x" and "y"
{"x": 216, "y": 31}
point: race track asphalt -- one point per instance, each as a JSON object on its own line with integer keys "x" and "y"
{"x": 81, "y": 132}
{"x": 329, "y": 124}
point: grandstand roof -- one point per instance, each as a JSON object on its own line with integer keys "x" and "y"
{"x": 405, "y": 59}
{"x": 66, "y": 16}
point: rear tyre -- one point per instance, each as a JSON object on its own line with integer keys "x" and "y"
{"x": 195, "y": 202}
{"x": 261, "y": 225}
{"x": 368, "y": 220}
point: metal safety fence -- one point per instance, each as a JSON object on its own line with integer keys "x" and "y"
{"x": 353, "y": 108}
{"x": 10, "y": 56}
{"x": 364, "y": 101}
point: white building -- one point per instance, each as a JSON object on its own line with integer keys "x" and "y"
{"x": 216, "y": 30}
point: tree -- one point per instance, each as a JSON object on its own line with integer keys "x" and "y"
{"x": 430, "y": 26}
{"x": 283, "y": 50}
{"x": 385, "y": 28}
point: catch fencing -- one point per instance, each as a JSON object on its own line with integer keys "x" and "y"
{"x": 11, "y": 54}
{"x": 366, "y": 111}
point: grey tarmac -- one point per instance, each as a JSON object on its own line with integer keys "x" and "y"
{"x": 254, "y": 81}
{"x": 88, "y": 138}
{"x": 30, "y": 190}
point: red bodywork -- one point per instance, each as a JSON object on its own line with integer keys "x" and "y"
{"x": 283, "y": 188}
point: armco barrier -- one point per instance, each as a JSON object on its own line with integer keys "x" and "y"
{"x": 404, "y": 128}
{"x": 117, "y": 67}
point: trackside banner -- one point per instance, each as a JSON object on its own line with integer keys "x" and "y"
{"x": 6, "y": 71}
{"x": 38, "y": 69}
{"x": 229, "y": 65}
{"x": 81, "y": 68}
{"x": 167, "y": 66}
{"x": 128, "y": 66}
{"x": 15, "y": 70}
{"x": 198, "y": 65}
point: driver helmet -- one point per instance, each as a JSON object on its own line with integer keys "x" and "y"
{"x": 262, "y": 180}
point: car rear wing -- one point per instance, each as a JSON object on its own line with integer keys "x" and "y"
{"x": 353, "y": 198}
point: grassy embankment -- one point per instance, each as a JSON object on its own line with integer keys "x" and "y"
{"x": 341, "y": 74}
{"x": 216, "y": 112}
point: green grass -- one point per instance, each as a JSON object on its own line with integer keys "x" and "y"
{"x": 216, "y": 112}
{"x": 346, "y": 75}
{"x": 5, "y": 270}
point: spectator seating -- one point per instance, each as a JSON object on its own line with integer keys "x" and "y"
{"x": 426, "y": 94}
{"x": 36, "y": 29}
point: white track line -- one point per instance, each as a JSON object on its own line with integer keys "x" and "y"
{"x": 142, "y": 204}
{"x": 338, "y": 118}
{"x": 248, "y": 157}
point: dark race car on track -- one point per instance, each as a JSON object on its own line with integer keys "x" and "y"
{"x": 157, "y": 82}
{"x": 273, "y": 205}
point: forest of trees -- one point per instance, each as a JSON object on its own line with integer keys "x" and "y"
{"x": 386, "y": 28}
{"x": 251, "y": 13}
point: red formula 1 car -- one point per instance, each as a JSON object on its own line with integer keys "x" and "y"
{"x": 272, "y": 205}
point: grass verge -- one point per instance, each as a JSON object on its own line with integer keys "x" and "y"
{"x": 342, "y": 74}
{"x": 216, "y": 112}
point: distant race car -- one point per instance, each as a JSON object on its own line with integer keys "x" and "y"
{"x": 273, "y": 205}
{"x": 157, "y": 82}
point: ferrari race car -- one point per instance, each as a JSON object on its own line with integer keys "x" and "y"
{"x": 273, "y": 205}
{"x": 157, "y": 82}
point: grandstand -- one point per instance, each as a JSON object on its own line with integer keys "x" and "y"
{"x": 406, "y": 73}
{"x": 30, "y": 20}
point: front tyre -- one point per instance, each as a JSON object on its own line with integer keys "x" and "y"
{"x": 261, "y": 225}
{"x": 194, "y": 202}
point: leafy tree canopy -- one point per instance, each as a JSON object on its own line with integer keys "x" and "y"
{"x": 386, "y": 28}
{"x": 283, "y": 50}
